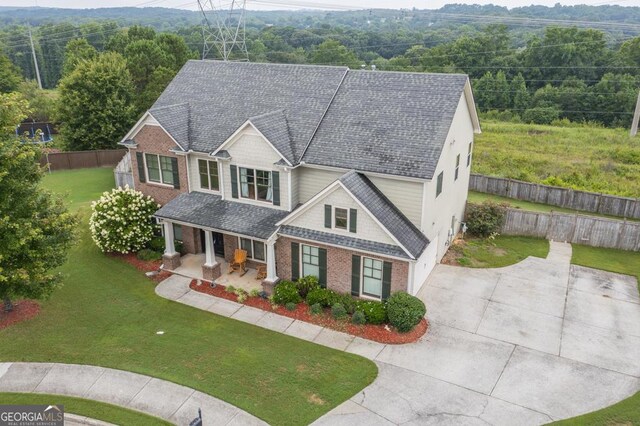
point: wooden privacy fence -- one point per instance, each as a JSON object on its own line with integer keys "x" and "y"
{"x": 82, "y": 159}
{"x": 556, "y": 196}
{"x": 574, "y": 228}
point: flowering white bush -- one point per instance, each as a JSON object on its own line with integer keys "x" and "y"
{"x": 122, "y": 220}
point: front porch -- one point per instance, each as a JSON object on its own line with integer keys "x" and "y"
{"x": 191, "y": 266}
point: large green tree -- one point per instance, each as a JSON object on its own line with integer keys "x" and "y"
{"x": 36, "y": 230}
{"x": 96, "y": 104}
{"x": 332, "y": 52}
{"x": 10, "y": 76}
{"x": 77, "y": 50}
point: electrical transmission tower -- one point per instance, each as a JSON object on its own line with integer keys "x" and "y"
{"x": 223, "y": 28}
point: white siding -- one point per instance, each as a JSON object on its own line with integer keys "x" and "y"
{"x": 438, "y": 212}
{"x": 424, "y": 265}
{"x": 367, "y": 228}
{"x": 295, "y": 187}
{"x": 251, "y": 150}
{"x": 312, "y": 180}
{"x": 406, "y": 195}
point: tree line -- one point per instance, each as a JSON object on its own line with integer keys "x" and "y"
{"x": 105, "y": 76}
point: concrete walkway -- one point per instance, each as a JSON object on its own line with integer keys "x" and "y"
{"x": 527, "y": 344}
{"x": 167, "y": 400}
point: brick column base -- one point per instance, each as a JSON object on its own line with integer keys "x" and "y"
{"x": 267, "y": 286}
{"x": 171, "y": 262}
{"x": 211, "y": 273}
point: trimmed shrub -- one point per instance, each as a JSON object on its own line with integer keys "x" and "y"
{"x": 485, "y": 219}
{"x": 541, "y": 115}
{"x": 290, "y": 306}
{"x": 255, "y": 292}
{"x": 286, "y": 292}
{"x": 375, "y": 312}
{"x": 242, "y": 295}
{"x": 358, "y": 318}
{"x": 148, "y": 255}
{"x": 157, "y": 244}
{"x": 122, "y": 220}
{"x": 338, "y": 311}
{"x": 322, "y": 296}
{"x": 306, "y": 284}
{"x": 230, "y": 289}
{"x": 347, "y": 301}
{"x": 316, "y": 309}
{"x": 405, "y": 311}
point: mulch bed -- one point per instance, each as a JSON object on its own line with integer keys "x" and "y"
{"x": 143, "y": 265}
{"x": 378, "y": 333}
{"x": 22, "y": 311}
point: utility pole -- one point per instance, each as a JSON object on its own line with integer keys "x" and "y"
{"x": 636, "y": 118}
{"x": 35, "y": 60}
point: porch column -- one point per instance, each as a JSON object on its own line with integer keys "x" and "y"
{"x": 169, "y": 247}
{"x": 210, "y": 258}
{"x": 170, "y": 258}
{"x": 271, "y": 261}
{"x": 211, "y": 269}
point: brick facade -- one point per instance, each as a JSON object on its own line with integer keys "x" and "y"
{"x": 154, "y": 140}
{"x": 338, "y": 266}
{"x": 191, "y": 240}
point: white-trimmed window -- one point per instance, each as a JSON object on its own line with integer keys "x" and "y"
{"x": 469, "y": 154}
{"x": 341, "y": 218}
{"x": 371, "y": 277}
{"x": 255, "y": 249}
{"x": 455, "y": 177}
{"x": 439, "y": 184}
{"x": 159, "y": 169}
{"x": 208, "y": 171}
{"x": 256, "y": 184}
{"x": 310, "y": 261}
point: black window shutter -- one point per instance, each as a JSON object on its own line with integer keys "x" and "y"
{"x": 275, "y": 176}
{"x": 353, "y": 220}
{"x": 355, "y": 275}
{"x": 322, "y": 257}
{"x": 234, "y": 181}
{"x": 295, "y": 261}
{"x": 140, "y": 160}
{"x": 176, "y": 174}
{"x": 386, "y": 280}
{"x": 327, "y": 216}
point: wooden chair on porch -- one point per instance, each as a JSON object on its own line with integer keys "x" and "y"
{"x": 261, "y": 272}
{"x": 239, "y": 262}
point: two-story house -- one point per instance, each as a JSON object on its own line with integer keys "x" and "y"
{"x": 357, "y": 177}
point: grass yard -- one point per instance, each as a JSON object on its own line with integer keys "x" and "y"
{"x": 588, "y": 158}
{"x": 83, "y": 407}
{"x": 81, "y": 186}
{"x": 107, "y": 314}
{"x": 501, "y": 251}
{"x": 625, "y": 412}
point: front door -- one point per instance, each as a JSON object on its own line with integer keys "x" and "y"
{"x": 218, "y": 243}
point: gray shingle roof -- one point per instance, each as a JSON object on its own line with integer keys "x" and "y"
{"x": 388, "y": 122}
{"x": 343, "y": 241}
{"x": 211, "y": 211}
{"x": 274, "y": 127}
{"x": 386, "y": 212}
{"x": 224, "y": 95}
{"x": 384, "y": 122}
{"x": 175, "y": 120}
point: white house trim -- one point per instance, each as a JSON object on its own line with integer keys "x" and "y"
{"x": 322, "y": 194}
{"x": 233, "y": 139}
{"x": 471, "y": 105}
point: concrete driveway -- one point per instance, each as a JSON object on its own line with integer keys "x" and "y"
{"x": 527, "y": 344}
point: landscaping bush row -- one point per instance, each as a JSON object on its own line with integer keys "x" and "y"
{"x": 401, "y": 310}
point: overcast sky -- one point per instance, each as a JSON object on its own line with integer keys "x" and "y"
{"x": 364, "y": 4}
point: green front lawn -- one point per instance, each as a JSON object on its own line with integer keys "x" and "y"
{"x": 501, "y": 251}
{"x": 625, "y": 412}
{"x": 83, "y": 407}
{"x": 107, "y": 314}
